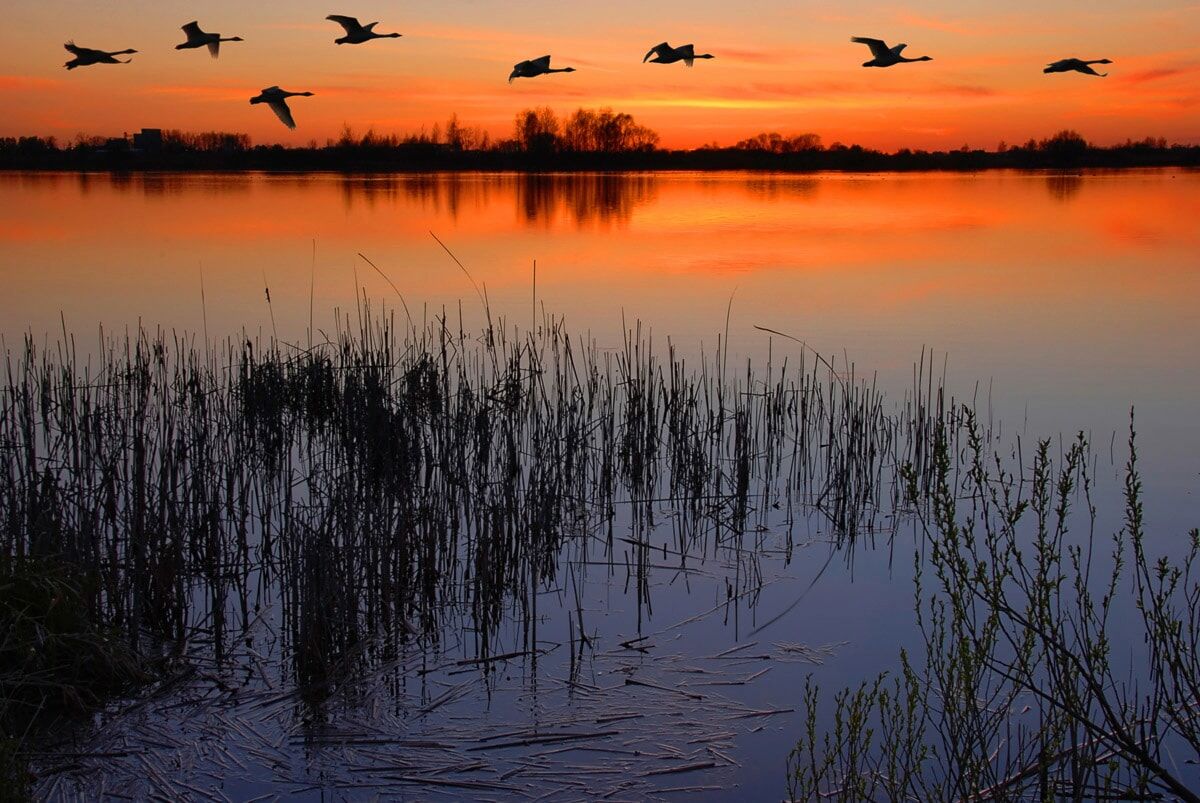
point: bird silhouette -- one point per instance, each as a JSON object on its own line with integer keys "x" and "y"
{"x": 86, "y": 56}
{"x": 198, "y": 38}
{"x": 276, "y": 98}
{"x": 535, "y": 67}
{"x": 1076, "y": 65}
{"x": 665, "y": 54}
{"x": 356, "y": 32}
{"x": 884, "y": 56}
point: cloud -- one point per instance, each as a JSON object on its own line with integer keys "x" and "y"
{"x": 329, "y": 27}
{"x": 843, "y": 89}
{"x": 1145, "y": 76}
{"x": 752, "y": 56}
{"x": 22, "y": 83}
{"x": 212, "y": 93}
{"x": 946, "y": 26}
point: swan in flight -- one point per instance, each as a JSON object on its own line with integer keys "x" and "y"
{"x": 884, "y": 56}
{"x": 276, "y": 98}
{"x": 85, "y": 56}
{"x": 198, "y": 38}
{"x": 356, "y": 32}
{"x": 1077, "y": 65}
{"x": 665, "y": 54}
{"x": 535, "y": 67}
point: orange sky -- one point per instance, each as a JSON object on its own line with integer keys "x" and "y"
{"x": 785, "y": 66}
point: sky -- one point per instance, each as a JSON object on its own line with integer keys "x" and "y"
{"x": 779, "y": 66}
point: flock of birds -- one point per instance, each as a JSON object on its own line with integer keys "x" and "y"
{"x": 356, "y": 34}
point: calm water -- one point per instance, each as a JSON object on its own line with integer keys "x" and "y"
{"x": 1067, "y": 298}
{"x": 1056, "y": 301}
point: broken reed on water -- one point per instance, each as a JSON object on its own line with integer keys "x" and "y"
{"x": 378, "y": 484}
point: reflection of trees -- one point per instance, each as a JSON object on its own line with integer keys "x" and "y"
{"x": 581, "y": 198}
{"x": 585, "y": 198}
{"x": 163, "y": 184}
{"x": 439, "y": 192}
{"x": 1064, "y": 186}
{"x": 781, "y": 187}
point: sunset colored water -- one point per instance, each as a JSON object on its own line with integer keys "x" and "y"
{"x": 1066, "y": 297}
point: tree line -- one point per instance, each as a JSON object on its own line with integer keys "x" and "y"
{"x": 590, "y": 139}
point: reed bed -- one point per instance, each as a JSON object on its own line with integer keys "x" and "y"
{"x": 389, "y": 484}
{"x": 376, "y": 480}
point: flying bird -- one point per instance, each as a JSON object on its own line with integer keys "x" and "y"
{"x": 86, "y": 56}
{"x": 356, "y": 32}
{"x": 276, "y": 98}
{"x": 884, "y": 56}
{"x": 535, "y": 67}
{"x": 198, "y": 38}
{"x": 665, "y": 54}
{"x": 1077, "y": 65}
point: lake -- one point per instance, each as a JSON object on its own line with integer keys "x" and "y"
{"x": 1055, "y": 302}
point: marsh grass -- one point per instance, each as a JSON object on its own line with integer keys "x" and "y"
{"x": 390, "y": 481}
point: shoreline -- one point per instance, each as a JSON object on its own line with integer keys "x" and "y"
{"x": 33, "y": 156}
{"x": 414, "y": 170}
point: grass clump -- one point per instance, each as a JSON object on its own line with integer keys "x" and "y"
{"x": 56, "y": 661}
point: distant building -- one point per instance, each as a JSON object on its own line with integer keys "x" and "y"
{"x": 116, "y": 145}
{"x": 149, "y": 140}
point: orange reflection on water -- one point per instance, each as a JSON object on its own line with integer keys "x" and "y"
{"x": 1010, "y": 272}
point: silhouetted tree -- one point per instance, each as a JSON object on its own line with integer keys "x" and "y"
{"x": 1066, "y": 148}
{"x": 205, "y": 141}
{"x": 606, "y": 131}
{"x": 774, "y": 142}
{"x": 535, "y": 131}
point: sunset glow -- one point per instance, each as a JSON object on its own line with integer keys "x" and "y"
{"x": 781, "y": 66}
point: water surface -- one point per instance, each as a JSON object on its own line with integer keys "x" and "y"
{"x": 1056, "y": 302}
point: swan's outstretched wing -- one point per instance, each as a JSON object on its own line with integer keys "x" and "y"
{"x": 542, "y": 64}
{"x": 687, "y": 51}
{"x": 661, "y": 49}
{"x": 214, "y": 48}
{"x": 879, "y": 48}
{"x": 280, "y": 107}
{"x": 898, "y": 49}
{"x": 71, "y": 47}
{"x": 192, "y": 29}
{"x": 350, "y": 24}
